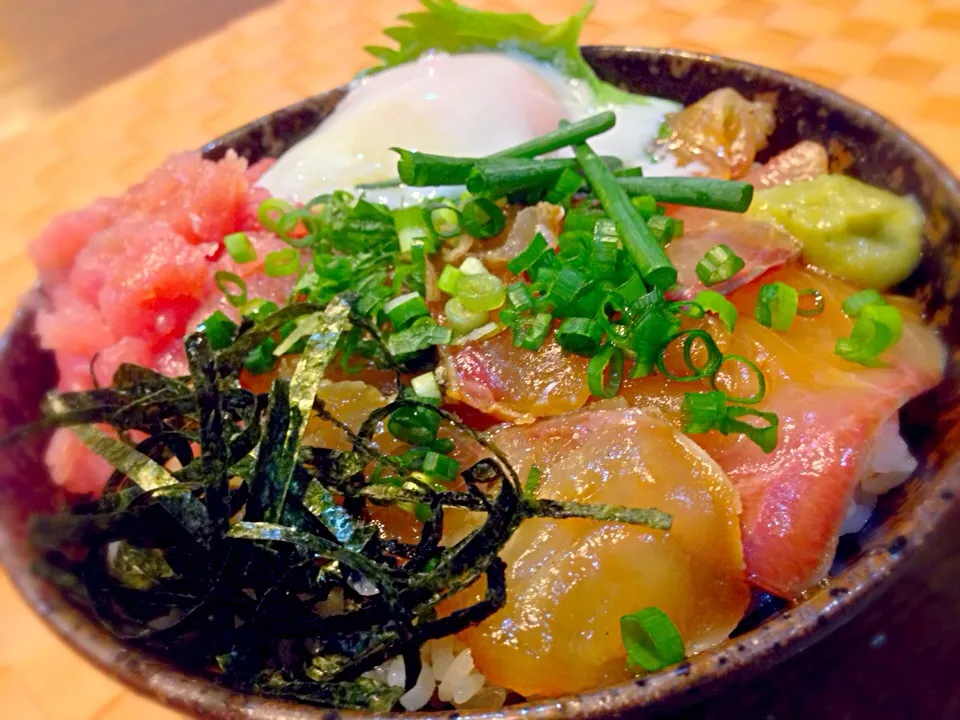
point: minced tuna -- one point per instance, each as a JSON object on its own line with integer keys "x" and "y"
{"x": 126, "y": 278}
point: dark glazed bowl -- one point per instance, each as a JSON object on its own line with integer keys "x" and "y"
{"x": 860, "y": 141}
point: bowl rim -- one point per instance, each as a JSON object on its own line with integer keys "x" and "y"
{"x": 739, "y": 658}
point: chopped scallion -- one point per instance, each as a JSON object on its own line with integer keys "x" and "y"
{"x": 447, "y": 282}
{"x": 877, "y": 328}
{"x": 425, "y": 386}
{"x": 712, "y": 301}
{"x": 270, "y": 213}
{"x": 580, "y": 335}
{"x": 219, "y": 329}
{"x": 413, "y": 229}
{"x": 651, "y": 639}
{"x": 423, "y": 333}
{"x": 473, "y": 266}
{"x": 776, "y": 306}
{"x": 441, "y": 466}
{"x": 482, "y": 218}
{"x": 565, "y": 286}
{"x": 610, "y": 358}
{"x": 227, "y": 281}
{"x": 519, "y": 297}
{"x": 720, "y": 263}
{"x": 282, "y": 262}
{"x": 531, "y": 332}
{"x": 461, "y": 318}
{"x": 404, "y": 309}
{"x": 239, "y": 247}
{"x": 859, "y": 300}
{"x": 697, "y": 372}
{"x": 414, "y": 425}
{"x": 571, "y": 134}
{"x": 754, "y": 370}
{"x": 655, "y": 268}
{"x": 730, "y": 195}
{"x": 529, "y": 256}
{"x": 481, "y": 292}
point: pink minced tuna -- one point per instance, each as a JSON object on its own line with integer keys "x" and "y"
{"x": 128, "y": 277}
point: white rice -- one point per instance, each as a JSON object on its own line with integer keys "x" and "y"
{"x": 448, "y": 674}
{"x": 889, "y": 465}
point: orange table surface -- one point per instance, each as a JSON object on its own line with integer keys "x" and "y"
{"x": 900, "y": 57}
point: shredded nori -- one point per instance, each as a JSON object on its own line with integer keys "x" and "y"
{"x": 221, "y": 540}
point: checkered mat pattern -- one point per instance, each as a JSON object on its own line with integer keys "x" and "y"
{"x": 900, "y": 57}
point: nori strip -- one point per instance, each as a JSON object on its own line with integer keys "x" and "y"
{"x": 227, "y": 559}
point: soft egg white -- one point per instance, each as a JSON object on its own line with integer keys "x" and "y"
{"x": 465, "y": 105}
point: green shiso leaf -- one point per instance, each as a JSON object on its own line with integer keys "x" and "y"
{"x": 446, "y": 26}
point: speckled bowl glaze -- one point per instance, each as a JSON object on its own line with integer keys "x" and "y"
{"x": 860, "y": 142}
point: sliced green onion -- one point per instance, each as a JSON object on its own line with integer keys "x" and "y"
{"x": 440, "y": 466}
{"x": 859, "y": 300}
{"x": 414, "y": 425}
{"x": 261, "y": 360}
{"x": 703, "y": 411}
{"x": 225, "y": 280}
{"x": 631, "y": 290}
{"x": 447, "y": 282}
{"x": 776, "y": 306}
{"x": 485, "y": 330}
{"x": 646, "y": 205}
{"x": 444, "y": 221}
{"x": 259, "y": 309}
{"x": 482, "y": 218}
{"x": 573, "y": 248}
{"x": 586, "y": 303}
{"x": 239, "y": 247}
{"x": 688, "y": 308}
{"x": 720, "y": 263}
{"x": 654, "y": 266}
{"x": 422, "y": 334}
{"x": 270, "y": 213}
{"x": 545, "y": 268}
{"x": 712, "y": 301}
{"x": 419, "y": 169}
{"x": 413, "y": 229}
{"x": 571, "y": 134}
{"x": 461, "y": 318}
{"x": 519, "y": 297}
{"x": 580, "y": 335}
{"x": 567, "y": 284}
{"x": 566, "y": 186}
{"x": 818, "y": 303}
{"x": 219, "y": 329}
{"x": 581, "y": 219}
{"x": 752, "y": 366}
{"x": 629, "y": 172}
{"x": 473, "y": 266}
{"x": 876, "y": 329}
{"x": 651, "y": 639}
{"x": 481, "y": 292}
{"x": 404, "y": 309}
{"x": 665, "y": 229}
{"x": 497, "y": 178}
{"x": 730, "y": 195}
{"x": 651, "y": 333}
{"x": 709, "y": 367}
{"x": 425, "y": 386}
{"x": 294, "y": 334}
{"x": 765, "y": 437}
{"x": 609, "y": 357}
{"x": 282, "y": 262}
{"x": 531, "y": 332}
{"x": 529, "y": 256}
{"x": 606, "y": 250}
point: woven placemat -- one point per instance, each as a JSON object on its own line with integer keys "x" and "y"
{"x": 900, "y": 57}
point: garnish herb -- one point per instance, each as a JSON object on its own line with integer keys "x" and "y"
{"x": 777, "y": 305}
{"x": 877, "y": 327}
{"x": 718, "y": 264}
{"x": 730, "y": 195}
{"x": 651, "y": 640}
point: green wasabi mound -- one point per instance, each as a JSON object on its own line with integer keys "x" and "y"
{"x": 848, "y": 228}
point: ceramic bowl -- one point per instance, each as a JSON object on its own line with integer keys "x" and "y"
{"x": 860, "y": 142}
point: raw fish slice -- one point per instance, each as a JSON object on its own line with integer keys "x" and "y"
{"x": 804, "y": 161}
{"x": 510, "y": 383}
{"x": 830, "y": 410}
{"x": 760, "y": 245}
{"x": 570, "y": 581}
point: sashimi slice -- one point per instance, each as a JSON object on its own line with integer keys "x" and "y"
{"x": 510, "y": 383}
{"x": 570, "y": 581}
{"x": 830, "y": 410}
{"x": 804, "y": 161}
{"x": 760, "y": 245}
